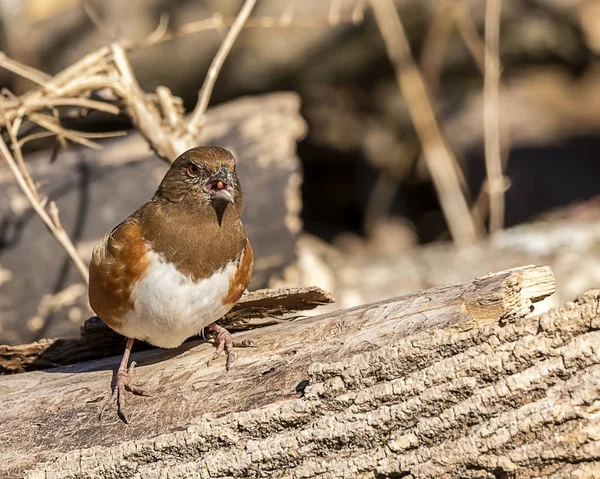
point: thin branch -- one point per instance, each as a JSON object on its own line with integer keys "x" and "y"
{"x": 469, "y": 34}
{"x": 78, "y": 102}
{"x": 100, "y": 25}
{"x": 95, "y": 61}
{"x": 24, "y": 71}
{"x": 160, "y": 31}
{"x": 215, "y": 22}
{"x": 335, "y": 11}
{"x": 144, "y": 113}
{"x": 491, "y": 113}
{"x": 358, "y": 12}
{"x": 197, "y": 118}
{"x": 35, "y": 136}
{"x": 20, "y": 161}
{"x": 432, "y": 57}
{"x": 50, "y": 124}
{"x": 57, "y": 231}
{"x": 435, "y": 43}
{"x": 42, "y": 104}
{"x": 172, "y": 112}
{"x": 438, "y": 156}
{"x": 476, "y": 46}
{"x": 99, "y": 134}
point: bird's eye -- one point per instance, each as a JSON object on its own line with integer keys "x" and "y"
{"x": 192, "y": 169}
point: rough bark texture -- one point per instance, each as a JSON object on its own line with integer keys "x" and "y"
{"x": 95, "y": 190}
{"x": 359, "y": 393}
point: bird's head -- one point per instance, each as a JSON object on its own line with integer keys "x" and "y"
{"x": 203, "y": 175}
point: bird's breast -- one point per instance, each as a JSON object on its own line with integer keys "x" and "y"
{"x": 169, "y": 307}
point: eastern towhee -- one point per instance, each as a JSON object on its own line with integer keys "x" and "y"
{"x": 176, "y": 264}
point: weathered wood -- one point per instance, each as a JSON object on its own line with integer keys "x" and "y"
{"x": 256, "y": 309}
{"x": 370, "y": 392}
{"x": 95, "y": 190}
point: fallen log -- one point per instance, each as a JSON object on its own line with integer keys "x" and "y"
{"x": 454, "y": 381}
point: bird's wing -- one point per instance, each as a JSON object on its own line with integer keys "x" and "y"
{"x": 118, "y": 262}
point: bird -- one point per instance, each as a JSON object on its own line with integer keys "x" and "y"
{"x": 176, "y": 264}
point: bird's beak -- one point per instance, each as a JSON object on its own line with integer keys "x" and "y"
{"x": 220, "y": 189}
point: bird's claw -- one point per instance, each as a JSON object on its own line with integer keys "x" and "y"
{"x": 125, "y": 382}
{"x": 225, "y": 345}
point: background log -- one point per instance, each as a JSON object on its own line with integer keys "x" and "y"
{"x": 358, "y": 271}
{"x": 355, "y": 393}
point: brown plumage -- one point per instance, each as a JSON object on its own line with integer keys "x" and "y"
{"x": 179, "y": 262}
{"x": 112, "y": 278}
{"x": 239, "y": 282}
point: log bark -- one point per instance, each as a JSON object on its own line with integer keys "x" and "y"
{"x": 458, "y": 381}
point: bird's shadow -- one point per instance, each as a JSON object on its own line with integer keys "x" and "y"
{"x": 142, "y": 353}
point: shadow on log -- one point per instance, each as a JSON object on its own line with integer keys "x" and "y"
{"x": 256, "y": 309}
{"x": 458, "y": 381}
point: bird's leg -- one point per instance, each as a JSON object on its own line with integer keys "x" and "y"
{"x": 225, "y": 344}
{"x": 125, "y": 382}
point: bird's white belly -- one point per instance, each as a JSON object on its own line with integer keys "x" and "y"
{"x": 169, "y": 307}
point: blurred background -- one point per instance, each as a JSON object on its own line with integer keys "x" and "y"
{"x": 350, "y": 195}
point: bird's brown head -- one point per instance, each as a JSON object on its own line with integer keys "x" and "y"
{"x": 204, "y": 175}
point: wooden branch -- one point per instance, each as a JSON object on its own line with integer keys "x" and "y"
{"x": 468, "y": 32}
{"x": 256, "y": 309}
{"x": 25, "y": 71}
{"x": 197, "y": 119}
{"x": 28, "y": 188}
{"x": 286, "y": 20}
{"x": 316, "y": 392}
{"x": 491, "y": 112}
{"x": 440, "y": 160}
{"x": 168, "y": 143}
{"x": 435, "y": 43}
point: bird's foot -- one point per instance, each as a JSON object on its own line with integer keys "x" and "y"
{"x": 125, "y": 382}
{"x": 226, "y": 344}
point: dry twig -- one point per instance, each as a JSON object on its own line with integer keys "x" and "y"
{"x": 434, "y": 45}
{"x": 491, "y": 98}
{"x": 52, "y": 222}
{"x": 439, "y": 158}
{"x": 468, "y": 32}
{"x": 480, "y": 51}
{"x": 197, "y": 119}
{"x": 216, "y": 22}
